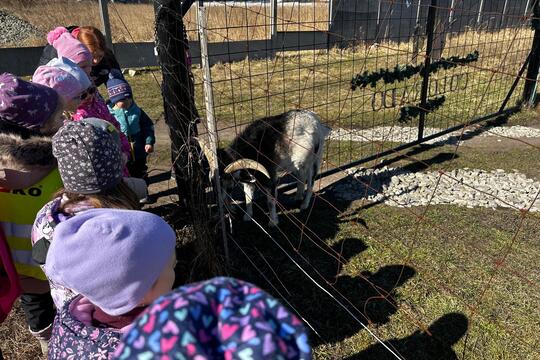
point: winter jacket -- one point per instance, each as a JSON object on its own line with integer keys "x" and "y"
{"x": 28, "y": 178}
{"x": 74, "y": 337}
{"x": 137, "y": 127}
{"x": 99, "y": 73}
{"x": 10, "y": 288}
{"x": 97, "y": 108}
{"x": 42, "y": 234}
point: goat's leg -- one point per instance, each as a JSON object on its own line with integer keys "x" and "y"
{"x": 249, "y": 191}
{"x": 309, "y": 192}
{"x": 271, "y": 198}
{"x": 300, "y": 187}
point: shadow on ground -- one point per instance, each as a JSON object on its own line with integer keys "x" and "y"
{"x": 435, "y": 344}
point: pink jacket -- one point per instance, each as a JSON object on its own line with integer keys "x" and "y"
{"x": 97, "y": 108}
{"x": 10, "y": 287}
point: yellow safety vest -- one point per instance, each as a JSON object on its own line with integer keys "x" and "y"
{"x": 18, "y": 211}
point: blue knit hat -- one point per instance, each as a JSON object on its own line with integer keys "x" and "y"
{"x": 117, "y": 87}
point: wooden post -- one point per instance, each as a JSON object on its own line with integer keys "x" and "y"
{"x": 211, "y": 121}
{"x": 179, "y": 115}
{"x": 105, "y": 23}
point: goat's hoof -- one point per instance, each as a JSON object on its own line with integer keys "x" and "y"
{"x": 247, "y": 217}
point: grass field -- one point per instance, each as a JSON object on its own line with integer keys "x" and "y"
{"x": 135, "y": 22}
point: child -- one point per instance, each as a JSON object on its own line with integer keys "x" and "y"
{"x": 29, "y": 115}
{"x": 103, "y": 59}
{"x": 93, "y": 105}
{"x": 221, "y": 318}
{"x": 134, "y": 122}
{"x": 67, "y": 78}
{"x": 90, "y": 164}
{"x": 119, "y": 261}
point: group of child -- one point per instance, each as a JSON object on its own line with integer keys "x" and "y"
{"x": 94, "y": 271}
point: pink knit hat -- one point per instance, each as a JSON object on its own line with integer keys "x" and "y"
{"x": 67, "y": 46}
{"x": 64, "y": 76}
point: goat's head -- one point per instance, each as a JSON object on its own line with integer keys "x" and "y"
{"x": 233, "y": 171}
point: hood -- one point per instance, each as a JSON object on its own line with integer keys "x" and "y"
{"x": 24, "y": 162}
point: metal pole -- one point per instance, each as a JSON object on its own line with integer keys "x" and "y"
{"x": 210, "y": 119}
{"x": 526, "y": 8}
{"x": 418, "y": 10}
{"x": 451, "y": 16}
{"x": 105, "y": 23}
{"x": 330, "y": 15}
{"x": 534, "y": 63}
{"x": 273, "y": 18}
{"x": 505, "y": 8}
{"x": 430, "y": 25}
{"x": 480, "y": 9}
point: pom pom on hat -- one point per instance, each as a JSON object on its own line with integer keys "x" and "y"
{"x": 54, "y": 35}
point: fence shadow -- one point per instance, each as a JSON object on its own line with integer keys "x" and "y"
{"x": 436, "y": 344}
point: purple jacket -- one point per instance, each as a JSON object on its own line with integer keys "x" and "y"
{"x": 73, "y": 338}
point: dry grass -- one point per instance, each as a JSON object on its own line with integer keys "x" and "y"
{"x": 136, "y": 22}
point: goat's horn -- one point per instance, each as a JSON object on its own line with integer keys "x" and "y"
{"x": 247, "y": 164}
{"x": 206, "y": 150}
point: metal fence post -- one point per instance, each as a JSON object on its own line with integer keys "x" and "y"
{"x": 210, "y": 119}
{"x": 430, "y": 26}
{"x": 273, "y": 19}
{"x": 480, "y": 9}
{"x": 529, "y": 90}
{"x": 105, "y": 23}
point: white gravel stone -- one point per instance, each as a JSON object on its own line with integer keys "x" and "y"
{"x": 404, "y": 134}
{"x": 13, "y": 29}
{"x": 463, "y": 187}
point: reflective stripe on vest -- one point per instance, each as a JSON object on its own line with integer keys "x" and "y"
{"x": 17, "y": 214}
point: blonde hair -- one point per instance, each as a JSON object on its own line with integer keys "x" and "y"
{"x": 119, "y": 197}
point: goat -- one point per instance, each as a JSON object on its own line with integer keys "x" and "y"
{"x": 291, "y": 142}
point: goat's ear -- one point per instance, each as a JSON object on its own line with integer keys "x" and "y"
{"x": 246, "y": 177}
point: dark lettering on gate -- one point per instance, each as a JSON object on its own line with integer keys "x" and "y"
{"x": 394, "y": 97}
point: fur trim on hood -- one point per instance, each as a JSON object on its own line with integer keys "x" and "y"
{"x": 24, "y": 162}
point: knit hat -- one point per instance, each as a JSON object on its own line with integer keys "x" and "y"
{"x": 117, "y": 87}
{"x": 221, "y": 318}
{"x": 64, "y": 76}
{"x": 113, "y": 257}
{"x": 67, "y": 46}
{"x": 26, "y": 104}
{"x": 89, "y": 156}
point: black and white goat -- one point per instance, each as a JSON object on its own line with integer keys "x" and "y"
{"x": 290, "y": 143}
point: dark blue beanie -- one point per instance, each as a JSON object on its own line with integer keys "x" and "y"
{"x": 117, "y": 87}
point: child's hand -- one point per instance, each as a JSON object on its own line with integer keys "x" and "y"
{"x": 149, "y": 148}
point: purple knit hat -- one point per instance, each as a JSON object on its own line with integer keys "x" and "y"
{"x": 222, "y": 318}
{"x": 113, "y": 257}
{"x": 64, "y": 76}
{"x": 26, "y": 104}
